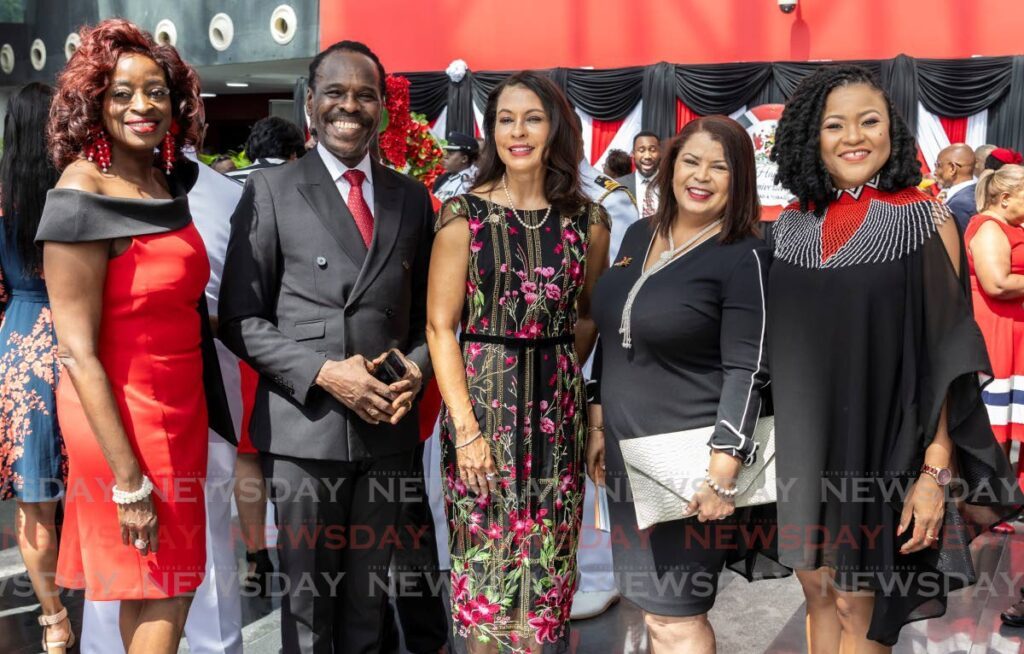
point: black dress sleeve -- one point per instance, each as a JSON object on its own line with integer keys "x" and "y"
{"x": 951, "y": 353}
{"x": 943, "y": 352}
{"x": 744, "y": 359}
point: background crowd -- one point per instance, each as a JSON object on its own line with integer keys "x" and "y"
{"x": 175, "y": 335}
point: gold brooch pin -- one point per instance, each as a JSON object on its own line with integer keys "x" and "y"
{"x": 623, "y": 262}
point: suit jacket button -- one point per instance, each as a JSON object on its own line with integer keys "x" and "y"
{"x": 389, "y": 312}
{"x": 350, "y": 311}
{"x": 321, "y": 261}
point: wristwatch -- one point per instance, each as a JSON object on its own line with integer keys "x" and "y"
{"x": 942, "y": 476}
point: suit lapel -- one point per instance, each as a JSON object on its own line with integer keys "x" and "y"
{"x": 387, "y": 223}
{"x": 322, "y": 195}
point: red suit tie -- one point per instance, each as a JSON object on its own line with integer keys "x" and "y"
{"x": 357, "y": 205}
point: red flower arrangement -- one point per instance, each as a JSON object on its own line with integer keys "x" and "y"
{"x": 406, "y": 143}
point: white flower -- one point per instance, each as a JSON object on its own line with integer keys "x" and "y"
{"x": 457, "y": 70}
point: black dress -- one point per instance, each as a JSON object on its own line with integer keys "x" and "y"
{"x": 696, "y": 359}
{"x": 869, "y": 332}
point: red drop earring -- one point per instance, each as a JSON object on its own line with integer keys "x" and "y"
{"x": 169, "y": 151}
{"x": 97, "y": 148}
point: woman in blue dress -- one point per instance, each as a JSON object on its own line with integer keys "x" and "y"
{"x": 33, "y": 464}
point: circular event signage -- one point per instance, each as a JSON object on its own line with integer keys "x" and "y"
{"x": 760, "y": 123}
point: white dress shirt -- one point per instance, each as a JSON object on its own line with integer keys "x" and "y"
{"x": 337, "y": 169}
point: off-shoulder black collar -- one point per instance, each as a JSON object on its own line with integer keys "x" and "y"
{"x": 72, "y": 216}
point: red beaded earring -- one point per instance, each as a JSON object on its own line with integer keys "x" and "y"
{"x": 97, "y": 148}
{"x": 169, "y": 150}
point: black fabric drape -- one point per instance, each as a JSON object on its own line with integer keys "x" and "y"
{"x": 606, "y": 94}
{"x": 602, "y": 94}
{"x": 962, "y": 87}
{"x": 428, "y": 93}
{"x": 720, "y": 88}
{"x": 560, "y": 76}
{"x": 787, "y": 75}
{"x": 460, "y": 106}
{"x": 899, "y": 78}
{"x": 1006, "y": 117}
{"x": 659, "y": 93}
{"x": 484, "y": 83}
{"x": 299, "y": 103}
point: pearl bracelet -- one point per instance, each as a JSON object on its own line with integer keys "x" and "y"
{"x": 131, "y": 497}
{"x": 721, "y": 492}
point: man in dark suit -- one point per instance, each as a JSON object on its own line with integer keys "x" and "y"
{"x": 646, "y": 156}
{"x": 326, "y": 273}
{"x": 954, "y": 172}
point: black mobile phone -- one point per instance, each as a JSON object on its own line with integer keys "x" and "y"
{"x": 391, "y": 370}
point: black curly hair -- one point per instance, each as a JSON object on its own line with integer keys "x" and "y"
{"x": 797, "y": 148}
{"x": 274, "y": 136}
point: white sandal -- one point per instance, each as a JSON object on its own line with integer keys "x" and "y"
{"x": 54, "y": 646}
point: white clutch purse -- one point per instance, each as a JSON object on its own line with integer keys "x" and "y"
{"x": 666, "y": 469}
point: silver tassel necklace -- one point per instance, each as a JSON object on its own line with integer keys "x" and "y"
{"x": 667, "y": 257}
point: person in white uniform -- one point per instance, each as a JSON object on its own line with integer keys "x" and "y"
{"x": 214, "y": 624}
{"x": 460, "y": 155}
{"x": 597, "y": 589}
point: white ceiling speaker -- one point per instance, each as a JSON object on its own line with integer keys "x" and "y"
{"x": 37, "y": 54}
{"x": 7, "y": 58}
{"x": 283, "y": 24}
{"x": 222, "y": 32}
{"x": 166, "y": 33}
{"x": 71, "y": 44}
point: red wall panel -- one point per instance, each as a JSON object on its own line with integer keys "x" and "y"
{"x": 496, "y": 35}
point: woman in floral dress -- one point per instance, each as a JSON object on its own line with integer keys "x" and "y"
{"x": 33, "y": 461}
{"x": 510, "y": 266}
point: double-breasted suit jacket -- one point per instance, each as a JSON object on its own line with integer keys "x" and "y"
{"x": 300, "y": 286}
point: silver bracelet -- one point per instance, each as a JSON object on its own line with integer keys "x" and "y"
{"x": 478, "y": 435}
{"x": 131, "y": 497}
{"x": 719, "y": 491}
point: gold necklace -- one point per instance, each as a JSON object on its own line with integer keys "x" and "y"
{"x": 515, "y": 213}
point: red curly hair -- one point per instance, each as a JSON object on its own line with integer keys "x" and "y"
{"x": 78, "y": 98}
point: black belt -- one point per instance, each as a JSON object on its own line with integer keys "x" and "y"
{"x": 524, "y": 345}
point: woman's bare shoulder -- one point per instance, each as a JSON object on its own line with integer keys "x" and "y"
{"x": 81, "y": 175}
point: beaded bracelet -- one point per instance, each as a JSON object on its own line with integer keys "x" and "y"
{"x": 729, "y": 495}
{"x": 137, "y": 495}
{"x": 462, "y": 445}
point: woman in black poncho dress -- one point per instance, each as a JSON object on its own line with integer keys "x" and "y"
{"x": 873, "y": 354}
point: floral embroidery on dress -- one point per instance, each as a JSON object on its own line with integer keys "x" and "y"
{"x": 28, "y": 367}
{"x": 514, "y": 553}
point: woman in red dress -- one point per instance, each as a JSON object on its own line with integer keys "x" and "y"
{"x": 127, "y": 270}
{"x": 995, "y": 252}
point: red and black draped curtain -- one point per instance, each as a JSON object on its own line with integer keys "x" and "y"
{"x": 673, "y": 94}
